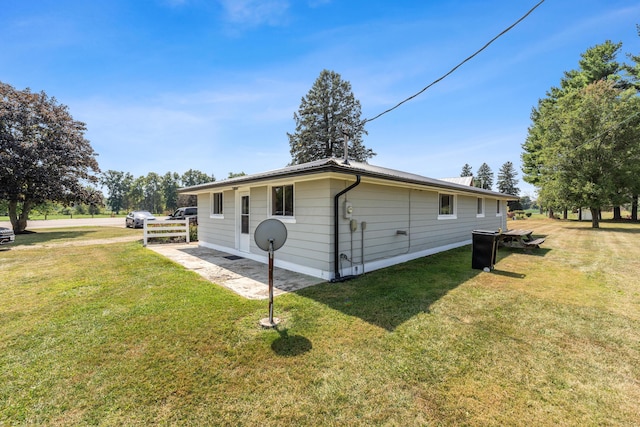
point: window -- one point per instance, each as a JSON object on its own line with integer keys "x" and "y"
{"x": 216, "y": 204}
{"x": 480, "y": 210}
{"x": 498, "y": 208}
{"x": 282, "y": 200}
{"x": 447, "y": 207}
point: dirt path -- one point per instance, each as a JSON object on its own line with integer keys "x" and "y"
{"x": 69, "y": 243}
{"x": 79, "y": 222}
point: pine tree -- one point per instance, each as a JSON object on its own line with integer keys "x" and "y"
{"x": 484, "y": 179}
{"x": 466, "y": 170}
{"x": 507, "y": 182}
{"x": 325, "y": 114}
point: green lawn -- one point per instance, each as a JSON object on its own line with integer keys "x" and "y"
{"x": 114, "y": 334}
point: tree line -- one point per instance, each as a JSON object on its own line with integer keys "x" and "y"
{"x": 583, "y": 145}
{"x": 154, "y": 192}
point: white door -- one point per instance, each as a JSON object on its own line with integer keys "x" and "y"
{"x": 243, "y": 223}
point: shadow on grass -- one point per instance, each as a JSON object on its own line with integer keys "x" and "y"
{"x": 30, "y": 238}
{"x": 537, "y": 252}
{"x": 290, "y": 345}
{"x": 391, "y": 296}
{"x": 509, "y": 274}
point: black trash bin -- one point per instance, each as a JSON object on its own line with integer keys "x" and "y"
{"x": 485, "y": 247}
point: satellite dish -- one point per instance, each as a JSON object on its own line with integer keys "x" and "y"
{"x": 270, "y": 235}
{"x": 270, "y": 231}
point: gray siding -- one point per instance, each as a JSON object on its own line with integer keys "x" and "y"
{"x": 309, "y": 237}
{"x": 219, "y": 231}
{"x": 386, "y": 210}
{"x": 389, "y": 211}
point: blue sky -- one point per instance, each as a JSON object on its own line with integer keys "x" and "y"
{"x": 172, "y": 85}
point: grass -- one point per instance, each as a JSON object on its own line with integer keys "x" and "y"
{"x": 114, "y": 334}
{"x": 72, "y": 234}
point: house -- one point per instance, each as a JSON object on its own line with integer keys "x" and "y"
{"x": 344, "y": 219}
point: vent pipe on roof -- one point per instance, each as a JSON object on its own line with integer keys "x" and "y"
{"x": 346, "y": 144}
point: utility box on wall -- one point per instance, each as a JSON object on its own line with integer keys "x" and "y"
{"x": 348, "y": 210}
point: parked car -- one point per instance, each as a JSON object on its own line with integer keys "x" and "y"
{"x": 190, "y": 212}
{"x": 6, "y": 236}
{"x": 136, "y": 219}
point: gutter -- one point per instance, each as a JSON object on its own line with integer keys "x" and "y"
{"x": 336, "y": 234}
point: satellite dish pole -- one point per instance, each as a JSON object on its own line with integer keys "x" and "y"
{"x": 270, "y": 235}
{"x": 270, "y": 320}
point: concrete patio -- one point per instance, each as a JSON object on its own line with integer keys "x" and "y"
{"x": 243, "y": 276}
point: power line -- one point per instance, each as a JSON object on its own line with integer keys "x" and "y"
{"x": 457, "y": 66}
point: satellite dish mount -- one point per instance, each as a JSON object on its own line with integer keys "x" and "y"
{"x": 270, "y": 235}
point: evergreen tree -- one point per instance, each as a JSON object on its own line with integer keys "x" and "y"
{"x": 466, "y": 170}
{"x": 484, "y": 179}
{"x": 507, "y": 182}
{"x": 326, "y": 113}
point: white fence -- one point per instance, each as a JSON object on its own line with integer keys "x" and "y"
{"x": 165, "y": 228}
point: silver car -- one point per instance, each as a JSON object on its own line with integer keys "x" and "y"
{"x": 6, "y": 236}
{"x": 136, "y": 219}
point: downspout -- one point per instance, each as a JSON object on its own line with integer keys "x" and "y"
{"x": 336, "y": 234}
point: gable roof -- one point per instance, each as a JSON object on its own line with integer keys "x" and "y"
{"x": 335, "y": 165}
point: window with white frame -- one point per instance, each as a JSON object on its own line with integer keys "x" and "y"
{"x": 498, "y": 208}
{"x": 480, "y": 208}
{"x": 282, "y": 200}
{"x": 216, "y": 204}
{"x": 447, "y": 206}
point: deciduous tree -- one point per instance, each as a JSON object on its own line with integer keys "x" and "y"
{"x": 117, "y": 184}
{"x": 190, "y": 178}
{"x": 581, "y": 149}
{"x": 44, "y": 155}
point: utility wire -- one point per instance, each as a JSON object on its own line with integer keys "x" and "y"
{"x": 457, "y": 66}
{"x": 609, "y": 129}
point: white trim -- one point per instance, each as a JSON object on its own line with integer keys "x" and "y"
{"x": 290, "y": 219}
{"x": 264, "y": 259}
{"x": 484, "y": 209}
{"x": 453, "y": 215}
{"x": 328, "y": 275}
{"x": 388, "y": 262}
{"x": 242, "y": 238}
{"x": 212, "y": 214}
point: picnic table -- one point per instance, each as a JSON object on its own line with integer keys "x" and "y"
{"x": 519, "y": 239}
